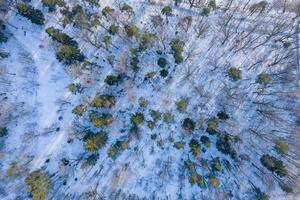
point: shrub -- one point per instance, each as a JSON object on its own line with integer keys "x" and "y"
{"x": 90, "y": 160}
{"x": 234, "y": 73}
{"x": 3, "y": 37}
{"x": 212, "y": 4}
{"x": 205, "y": 11}
{"x": 223, "y": 115}
{"x": 206, "y": 141}
{"x": 126, "y": 8}
{"x": 150, "y": 124}
{"x": 51, "y": 4}
{"x": 167, "y": 10}
{"x": 13, "y": 169}
{"x": 143, "y": 102}
{"x": 259, "y": 195}
{"x": 137, "y": 119}
{"x": 79, "y": 109}
{"x": 179, "y": 145}
{"x": 212, "y": 125}
{"x": 177, "y": 49}
{"x": 195, "y": 178}
{"x": 34, "y": 15}
{"x": 146, "y": 40}
{"x": 195, "y": 147}
{"x": 223, "y": 145}
{"x": 111, "y": 59}
{"x": 264, "y": 79}
{"x": 162, "y": 62}
{"x": 286, "y": 188}
{"x": 216, "y": 164}
{"x": 104, "y": 101}
{"x": 168, "y": 116}
{"x": 188, "y": 124}
{"x": 122, "y": 144}
{"x": 156, "y": 20}
{"x": 132, "y": 30}
{"x": 75, "y": 88}
{"x": 3, "y": 131}
{"x": 107, "y": 10}
{"x": 171, "y": 138}
{"x": 113, "y": 29}
{"x": 100, "y": 120}
{"x": 111, "y": 79}
{"x": 214, "y": 181}
{"x": 106, "y": 40}
{"x": 156, "y": 115}
{"x": 182, "y": 105}
{"x": 281, "y": 146}
{"x": 112, "y": 151}
{"x": 164, "y": 73}
{"x": 38, "y": 184}
{"x": 273, "y": 164}
{"x": 68, "y": 54}
{"x": 96, "y": 141}
{"x": 134, "y": 63}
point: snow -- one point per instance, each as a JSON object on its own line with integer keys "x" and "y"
{"x": 44, "y": 126}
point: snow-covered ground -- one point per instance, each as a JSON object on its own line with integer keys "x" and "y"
{"x": 43, "y": 130}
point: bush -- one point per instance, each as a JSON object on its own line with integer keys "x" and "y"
{"x": 156, "y": 20}
{"x": 90, "y": 160}
{"x": 177, "y": 49}
{"x": 3, "y": 37}
{"x": 281, "y": 146}
{"x": 223, "y": 145}
{"x": 104, "y": 101}
{"x": 164, "y": 73}
{"x": 68, "y": 54}
{"x": 234, "y": 73}
{"x": 146, "y": 40}
{"x": 111, "y": 79}
{"x": 286, "y": 188}
{"x": 188, "y": 124}
{"x": 79, "y": 110}
{"x": 195, "y": 178}
{"x": 113, "y": 29}
{"x": 137, "y": 119}
{"x": 205, "y": 11}
{"x": 3, "y": 131}
{"x": 264, "y": 79}
{"x": 100, "y": 120}
{"x": 216, "y": 164}
{"x": 167, "y": 10}
{"x": 259, "y": 195}
{"x": 212, "y": 125}
{"x": 143, "y": 102}
{"x": 107, "y": 10}
{"x": 150, "y": 124}
{"x": 132, "y": 30}
{"x": 156, "y": 115}
{"x": 195, "y": 147}
{"x": 96, "y": 141}
{"x": 274, "y": 165}
{"x": 214, "y": 181}
{"x": 182, "y": 105}
{"x": 38, "y": 184}
{"x": 34, "y": 15}
{"x": 126, "y": 8}
{"x": 168, "y": 116}
{"x": 179, "y": 145}
{"x": 51, "y": 4}
{"x": 223, "y": 115}
{"x": 116, "y": 148}
{"x": 162, "y": 62}
{"x": 206, "y": 141}
{"x": 134, "y": 63}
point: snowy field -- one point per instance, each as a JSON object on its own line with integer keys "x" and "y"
{"x": 200, "y": 93}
